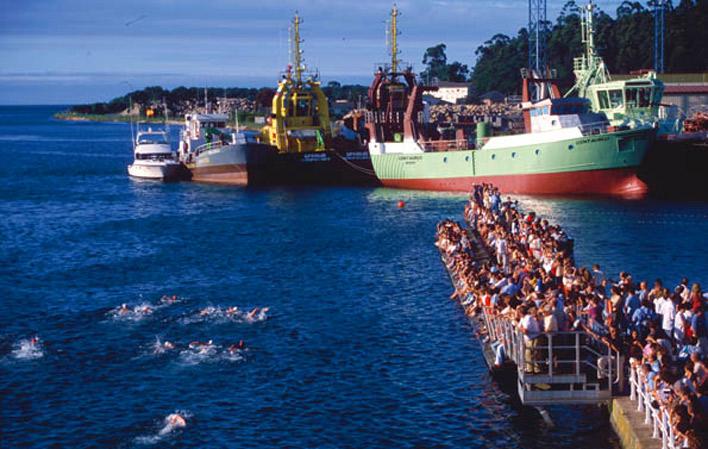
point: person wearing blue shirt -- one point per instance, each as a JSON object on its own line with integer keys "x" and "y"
{"x": 641, "y": 317}
{"x": 509, "y": 289}
{"x": 700, "y": 329}
{"x": 631, "y": 304}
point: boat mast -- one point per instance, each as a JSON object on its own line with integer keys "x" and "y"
{"x": 588, "y": 33}
{"x": 297, "y": 61}
{"x": 589, "y": 69}
{"x": 130, "y": 115}
{"x": 394, "y": 40}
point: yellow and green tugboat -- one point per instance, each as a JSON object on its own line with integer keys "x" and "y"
{"x": 294, "y": 147}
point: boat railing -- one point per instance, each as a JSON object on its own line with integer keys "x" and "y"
{"x": 658, "y": 418}
{"x": 208, "y": 146}
{"x": 572, "y": 367}
{"x": 443, "y": 145}
{"x": 594, "y": 128}
{"x": 383, "y": 117}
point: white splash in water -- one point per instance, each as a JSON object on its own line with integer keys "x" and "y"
{"x": 28, "y": 349}
{"x": 199, "y": 352}
{"x": 208, "y": 352}
{"x": 162, "y": 347}
{"x": 230, "y": 314}
{"x": 136, "y": 313}
{"x": 169, "y": 425}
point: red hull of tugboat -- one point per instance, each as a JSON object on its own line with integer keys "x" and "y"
{"x": 620, "y": 182}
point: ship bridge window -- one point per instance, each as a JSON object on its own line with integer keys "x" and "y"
{"x": 302, "y": 107}
{"x": 640, "y": 97}
{"x": 603, "y": 99}
{"x": 616, "y": 98}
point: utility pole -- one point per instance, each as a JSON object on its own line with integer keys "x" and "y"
{"x": 659, "y": 28}
{"x": 537, "y": 36}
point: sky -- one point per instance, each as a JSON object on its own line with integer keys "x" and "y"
{"x": 78, "y": 51}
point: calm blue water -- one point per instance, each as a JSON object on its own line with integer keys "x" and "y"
{"x": 362, "y": 348}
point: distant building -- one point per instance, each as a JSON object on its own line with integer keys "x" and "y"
{"x": 451, "y": 92}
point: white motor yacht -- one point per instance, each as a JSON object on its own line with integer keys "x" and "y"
{"x": 154, "y": 158}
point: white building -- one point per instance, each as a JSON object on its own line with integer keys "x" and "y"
{"x": 450, "y": 92}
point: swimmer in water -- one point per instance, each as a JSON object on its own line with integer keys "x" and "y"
{"x": 231, "y": 311}
{"x": 143, "y": 310}
{"x": 164, "y": 347}
{"x": 200, "y": 345}
{"x": 257, "y": 313}
{"x": 252, "y": 314}
{"x": 168, "y": 299}
{"x": 206, "y": 311}
{"x": 235, "y": 348}
{"x": 123, "y": 309}
{"x": 173, "y": 421}
{"x": 34, "y": 341}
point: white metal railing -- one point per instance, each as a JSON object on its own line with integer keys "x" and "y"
{"x": 443, "y": 145}
{"x": 208, "y": 146}
{"x": 659, "y": 419}
{"x": 559, "y": 353}
{"x": 593, "y": 128}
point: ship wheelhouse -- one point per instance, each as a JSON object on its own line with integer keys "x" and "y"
{"x": 557, "y": 113}
{"x": 636, "y": 98}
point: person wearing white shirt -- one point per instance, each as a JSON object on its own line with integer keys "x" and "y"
{"x": 666, "y": 308}
{"x": 531, "y": 329}
{"x": 502, "y": 255}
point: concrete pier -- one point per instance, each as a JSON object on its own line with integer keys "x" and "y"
{"x": 629, "y": 425}
{"x": 626, "y": 421}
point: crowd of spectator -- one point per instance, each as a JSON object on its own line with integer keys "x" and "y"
{"x": 531, "y": 279}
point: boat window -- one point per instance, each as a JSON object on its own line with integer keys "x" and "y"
{"x": 644, "y": 97}
{"x": 602, "y": 99}
{"x": 615, "y": 98}
{"x": 303, "y": 108}
{"x": 154, "y": 156}
{"x": 147, "y": 139}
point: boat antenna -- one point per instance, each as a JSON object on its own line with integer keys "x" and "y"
{"x": 236, "y": 117}
{"x": 297, "y": 60}
{"x": 393, "y": 44}
{"x": 130, "y": 118}
{"x": 588, "y": 32}
{"x": 164, "y": 109}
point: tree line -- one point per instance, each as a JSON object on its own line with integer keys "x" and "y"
{"x": 181, "y": 98}
{"x": 626, "y": 43}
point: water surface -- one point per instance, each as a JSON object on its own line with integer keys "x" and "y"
{"x": 362, "y": 348}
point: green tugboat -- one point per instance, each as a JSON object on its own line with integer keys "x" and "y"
{"x": 631, "y": 102}
{"x": 678, "y": 159}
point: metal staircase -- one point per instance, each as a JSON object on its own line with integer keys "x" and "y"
{"x": 558, "y": 368}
